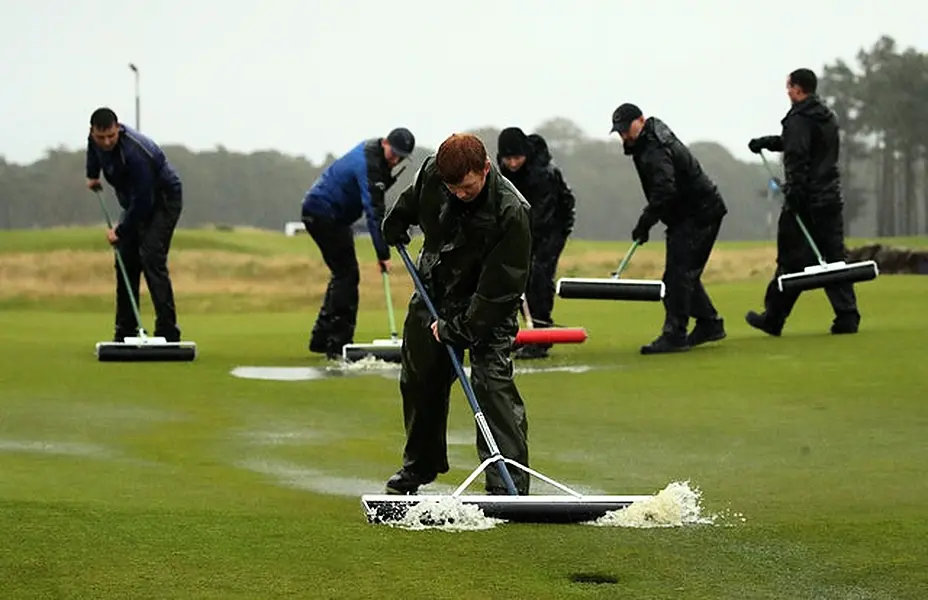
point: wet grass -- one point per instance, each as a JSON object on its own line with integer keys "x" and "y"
{"x": 180, "y": 481}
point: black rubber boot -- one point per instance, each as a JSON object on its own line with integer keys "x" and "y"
{"x": 405, "y": 482}
{"x": 761, "y": 322}
{"x": 707, "y": 331}
{"x": 665, "y": 344}
{"x": 845, "y": 325}
{"x": 171, "y": 334}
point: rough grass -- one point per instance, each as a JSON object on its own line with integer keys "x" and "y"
{"x": 69, "y": 273}
{"x": 251, "y": 269}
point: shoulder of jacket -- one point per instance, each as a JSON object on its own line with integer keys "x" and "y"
{"x": 795, "y": 116}
{"x": 138, "y": 141}
{"x": 370, "y": 145}
{"x": 656, "y": 149}
{"x": 554, "y": 170}
{"x": 427, "y": 169}
{"x": 509, "y": 197}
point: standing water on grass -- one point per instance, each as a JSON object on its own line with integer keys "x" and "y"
{"x": 368, "y": 363}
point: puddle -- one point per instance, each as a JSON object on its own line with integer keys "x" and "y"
{"x": 283, "y": 437}
{"x": 303, "y": 478}
{"x": 297, "y": 476}
{"x": 462, "y": 438}
{"x": 295, "y": 373}
{"x": 82, "y": 414}
{"x": 56, "y": 448}
{"x": 386, "y": 370}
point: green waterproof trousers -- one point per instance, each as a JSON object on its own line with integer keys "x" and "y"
{"x": 425, "y": 383}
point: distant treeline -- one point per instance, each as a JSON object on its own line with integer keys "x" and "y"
{"x": 882, "y": 104}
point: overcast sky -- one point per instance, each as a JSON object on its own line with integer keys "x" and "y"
{"x": 308, "y": 77}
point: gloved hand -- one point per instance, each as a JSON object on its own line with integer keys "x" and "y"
{"x": 394, "y": 236}
{"x": 756, "y": 145}
{"x": 641, "y": 233}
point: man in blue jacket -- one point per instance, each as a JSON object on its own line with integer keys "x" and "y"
{"x": 149, "y": 191}
{"x": 352, "y": 185}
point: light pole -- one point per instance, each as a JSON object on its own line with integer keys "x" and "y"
{"x": 135, "y": 70}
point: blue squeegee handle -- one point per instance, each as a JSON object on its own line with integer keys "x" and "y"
{"x": 122, "y": 267}
{"x": 462, "y": 377}
{"x": 802, "y": 226}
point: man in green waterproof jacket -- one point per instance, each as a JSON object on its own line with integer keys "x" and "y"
{"x": 474, "y": 265}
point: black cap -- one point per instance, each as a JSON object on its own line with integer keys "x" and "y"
{"x": 512, "y": 142}
{"x": 623, "y": 116}
{"x": 402, "y": 141}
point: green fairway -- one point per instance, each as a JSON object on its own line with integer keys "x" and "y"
{"x": 182, "y": 481}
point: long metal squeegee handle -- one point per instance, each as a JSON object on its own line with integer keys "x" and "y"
{"x": 462, "y": 377}
{"x": 805, "y": 232}
{"x": 625, "y": 259}
{"x": 391, "y": 319}
{"x": 802, "y": 226}
{"x": 122, "y": 268}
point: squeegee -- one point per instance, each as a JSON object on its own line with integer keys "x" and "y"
{"x": 571, "y": 507}
{"x": 385, "y": 350}
{"x": 141, "y": 348}
{"x": 612, "y": 288}
{"x": 824, "y": 273}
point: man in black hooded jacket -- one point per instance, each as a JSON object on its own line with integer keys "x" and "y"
{"x": 681, "y": 195}
{"x": 810, "y": 144}
{"x": 526, "y": 161}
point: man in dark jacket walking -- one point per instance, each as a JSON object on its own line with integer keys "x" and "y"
{"x": 352, "y": 185}
{"x": 682, "y": 196}
{"x": 149, "y": 191}
{"x": 810, "y": 145}
{"x": 474, "y": 265}
{"x": 526, "y": 161}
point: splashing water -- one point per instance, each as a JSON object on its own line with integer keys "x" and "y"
{"x": 368, "y": 363}
{"x": 445, "y": 513}
{"x": 676, "y": 505}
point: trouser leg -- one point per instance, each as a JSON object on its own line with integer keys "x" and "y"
{"x": 156, "y": 237}
{"x": 426, "y": 377}
{"x": 337, "y": 318}
{"x": 504, "y": 410}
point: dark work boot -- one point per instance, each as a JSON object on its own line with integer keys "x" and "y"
{"x": 327, "y": 344}
{"x": 845, "y": 324}
{"x": 707, "y": 331}
{"x": 761, "y": 322}
{"x": 406, "y": 482}
{"x": 170, "y": 334}
{"x": 121, "y": 333}
{"x": 665, "y": 344}
{"x": 319, "y": 345}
